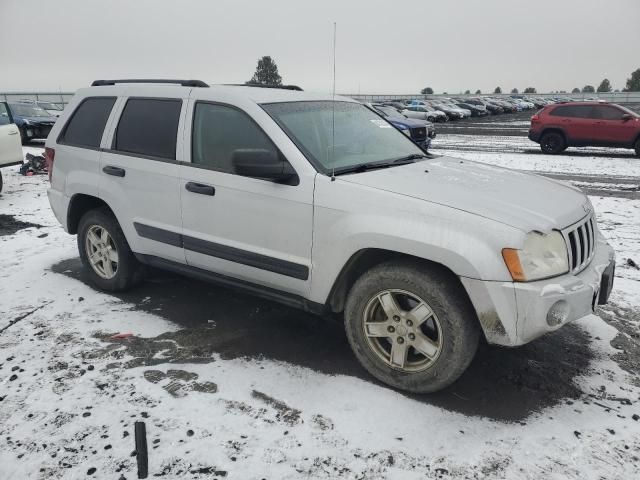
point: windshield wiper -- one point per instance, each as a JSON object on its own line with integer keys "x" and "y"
{"x": 363, "y": 167}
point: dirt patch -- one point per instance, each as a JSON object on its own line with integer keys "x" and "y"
{"x": 9, "y": 225}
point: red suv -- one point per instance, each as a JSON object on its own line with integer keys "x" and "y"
{"x": 580, "y": 124}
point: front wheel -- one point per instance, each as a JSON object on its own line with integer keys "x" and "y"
{"x": 552, "y": 143}
{"x": 411, "y": 328}
{"x": 105, "y": 253}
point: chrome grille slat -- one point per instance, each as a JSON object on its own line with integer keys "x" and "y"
{"x": 580, "y": 240}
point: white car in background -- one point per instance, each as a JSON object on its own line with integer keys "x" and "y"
{"x": 10, "y": 144}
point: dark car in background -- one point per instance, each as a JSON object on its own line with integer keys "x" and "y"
{"x": 420, "y": 131}
{"x": 580, "y": 124}
{"x": 32, "y": 121}
{"x": 476, "y": 110}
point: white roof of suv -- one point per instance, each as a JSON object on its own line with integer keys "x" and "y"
{"x": 254, "y": 94}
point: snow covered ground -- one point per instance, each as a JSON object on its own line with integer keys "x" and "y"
{"x": 234, "y": 387}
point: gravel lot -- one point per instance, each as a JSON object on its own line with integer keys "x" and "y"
{"x": 231, "y": 386}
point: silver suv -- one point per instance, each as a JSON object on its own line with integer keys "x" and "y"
{"x": 318, "y": 202}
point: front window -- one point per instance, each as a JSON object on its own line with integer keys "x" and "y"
{"x": 28, "y": 110}
{"x": 340, "y": 135}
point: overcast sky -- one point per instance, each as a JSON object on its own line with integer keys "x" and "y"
{"x": 383, "y": 46}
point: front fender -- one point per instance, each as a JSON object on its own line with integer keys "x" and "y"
{"x": 349, "y": 218}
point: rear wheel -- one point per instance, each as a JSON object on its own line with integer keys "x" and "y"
{"x": 105, "y": 253}
{"x": 552, "y": 143}
{"x": 637, "y": 147}
{"x": 411, "y": 328}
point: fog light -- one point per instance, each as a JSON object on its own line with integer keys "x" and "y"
{"x": 558, "y": 313}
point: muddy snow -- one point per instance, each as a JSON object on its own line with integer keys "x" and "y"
{"x": 231, "y": 386}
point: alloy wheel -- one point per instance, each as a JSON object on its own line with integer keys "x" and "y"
{"x": 101, "y": 252}
{"x": 402, "y": 330}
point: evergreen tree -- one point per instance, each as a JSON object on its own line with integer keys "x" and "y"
{"x": 497, "y": 90}
{"x": 266, "y": 73}
{"x": 633, "y": 83}
{"x": 605, "y": 86}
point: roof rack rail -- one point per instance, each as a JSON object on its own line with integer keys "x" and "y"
{"x": 184, "y": 83}
{"x": 265, "y": 85}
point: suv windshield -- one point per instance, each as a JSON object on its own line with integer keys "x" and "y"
{"x": 28, "y": 110}
{"x": 360, "y": 136}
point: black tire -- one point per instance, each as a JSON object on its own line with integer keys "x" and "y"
{"x": 456, "y": 317}
{"x": 637, "y": 147}
{"x": 1, "y": 182}
{"x": 552, "y": 143}
{"x": 129, "y": 271}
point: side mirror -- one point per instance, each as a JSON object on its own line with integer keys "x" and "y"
{"x": 626, "y": 117}
{"x": 264, "y": 164}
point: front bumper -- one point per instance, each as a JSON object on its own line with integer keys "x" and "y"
{"x": 34, "y": 131}
{"x": 513, "y": 313}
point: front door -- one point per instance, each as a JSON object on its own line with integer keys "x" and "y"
{"x": 249, "y": 229}
{"x": 612, "y": 129}
{"x": 10, "y": 145}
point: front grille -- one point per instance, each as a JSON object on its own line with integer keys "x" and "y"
{"x": 419, "y": 134}
{"x": 581, "y": 243}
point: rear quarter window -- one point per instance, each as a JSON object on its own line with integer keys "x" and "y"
{"x": 86, "y": 125}
{"x": 149, "y": 127}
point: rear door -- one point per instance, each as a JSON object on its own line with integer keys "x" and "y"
{"x": 10, "y": 144}
{"x": 575, "y": 122}
{"x": 611, "y": 127}
{"x": 249, "y": 229}
{"x": 139, "y": 173}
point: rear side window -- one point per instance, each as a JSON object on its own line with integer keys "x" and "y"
{"x": 87, "y": 123}
{"x": 149, "y": 127}
{"x": 218, "y": 131}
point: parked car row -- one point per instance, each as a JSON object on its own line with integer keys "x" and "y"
{"x": 443, "y": 109}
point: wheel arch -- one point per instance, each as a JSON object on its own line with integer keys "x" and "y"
{"x": 367, "y": 258}
{"x": 555, "y": 129}
{"x": 80, "y": 204}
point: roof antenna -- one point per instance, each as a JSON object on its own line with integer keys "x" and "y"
{"x": 333, "y": 108}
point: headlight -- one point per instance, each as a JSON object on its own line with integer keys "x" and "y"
{"x": 542, "y": 256}
{"x": 407, "y": 132}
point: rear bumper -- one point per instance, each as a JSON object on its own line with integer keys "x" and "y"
{"x": 59, "y": 204}
{"x": 513, "y": 314}
{"x": 534, "y": 136}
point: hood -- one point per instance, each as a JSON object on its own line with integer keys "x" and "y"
{"x": 45, "y": 120}
{"x": 407, "y": 122}
{"x": 521, "y": 200}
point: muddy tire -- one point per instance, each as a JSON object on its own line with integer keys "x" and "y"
{"x": 410, "y": 327}
{"x": 105, "y": 253}
{"x": 552, "y": 143}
